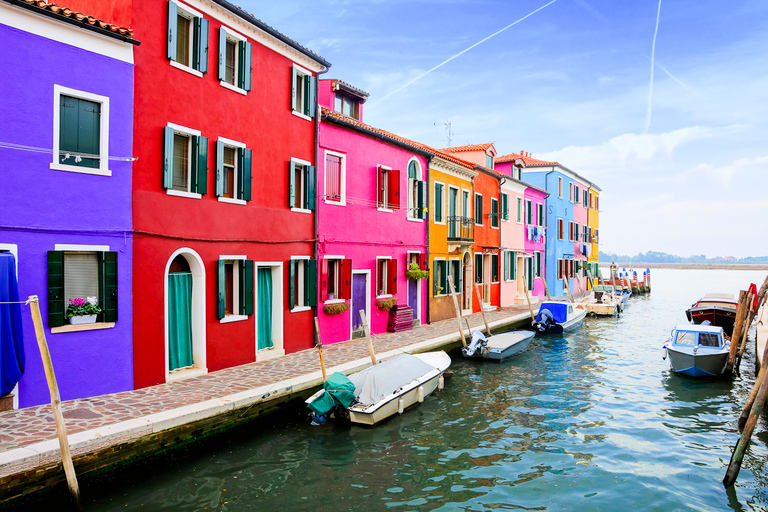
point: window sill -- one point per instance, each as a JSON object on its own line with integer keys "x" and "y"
{"x": 385, "y": 296}
{"x": 185, "y": 373}
{"x": 299, "y": 114}
{"x": 300, "y": 309}
{"x": 343, "y": 202}
{"x": 82, "y": 170}
{"x": 191, "y": 71}
{"x": 415, "y": 220}
{"x": 334, "y": 301}
{"x": 233, "y": 318}
{"x": 82, "y": 327}
{"x": 494, "y": 227}
{"x": 388, "y": 210}
{"x": 232, "y": 201}
{"x": 440, "y": 223}
{"x": 301, "y": 210}
{"x": 179, "y": 193}
{"x": 231, "y": 87}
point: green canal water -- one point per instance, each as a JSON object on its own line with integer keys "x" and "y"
{"x": 594, "y": 420}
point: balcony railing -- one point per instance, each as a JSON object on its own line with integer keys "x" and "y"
{"x": 461, "y": 229}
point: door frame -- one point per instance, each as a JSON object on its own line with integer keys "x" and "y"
{"x": 418, "y": 286}
{"x": 278, "y": 333}
{"x": 367, "y": 273}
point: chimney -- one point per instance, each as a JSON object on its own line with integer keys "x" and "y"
{"x": 522, "y": 153}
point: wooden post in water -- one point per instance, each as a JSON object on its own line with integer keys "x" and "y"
{"x": 458, "y": 311}
{"x": 736, "y": 335}
{"x": 530, "y": 308}
{"x": 741, "y": 447}
{"x": 567, "y": 288}
{"x": 367, "y": 331}
{"x": 763, "y": 367}
{"x": 751, "y": 316}
{"x": 320, "y": 348}
{"x": 482, "y": 310}
{"x": 590, "y": 279}
{"x": 61, "y": 428}
{"x": 546, "y": 288}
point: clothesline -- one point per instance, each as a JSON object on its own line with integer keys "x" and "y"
{"x": 17, "y": 302}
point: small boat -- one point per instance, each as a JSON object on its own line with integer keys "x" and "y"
{"x": 378, "y": 392}
{"x": 718, "y": 308}
{"x": 604, "y": 300}
{"x": 697, "y": 350}
{"x": 498, "y": 346}
{"x": 557, "y": 317}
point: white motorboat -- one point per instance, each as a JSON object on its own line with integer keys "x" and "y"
{"x": 558, "y": 317}
{"x": 698, "y": 350}
{"x": 498, "y": 346}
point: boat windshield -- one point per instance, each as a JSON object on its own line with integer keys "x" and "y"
{"x": 707, "y": 339}
{"x": 685, "y": 338}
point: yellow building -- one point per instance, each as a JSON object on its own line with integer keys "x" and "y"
{"x": 451, "y": 233}
{"x": 593, "y": 224}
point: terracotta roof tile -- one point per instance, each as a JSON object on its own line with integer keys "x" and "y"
{"x": 527, "y": 160}
{"x": 352, "y": 87}
{"x": 331, "y": 115}
{"x": 470, "y": 147}
{"x": 66, "y": 12}
{"x": 508, "y": 177}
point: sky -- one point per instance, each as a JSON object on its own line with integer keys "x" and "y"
{"x": 683, "y": 165}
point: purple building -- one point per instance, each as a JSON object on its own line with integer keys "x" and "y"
{"x": 65, "y": 167}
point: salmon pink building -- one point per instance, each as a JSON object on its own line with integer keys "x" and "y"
{"x": 372, "y": 220}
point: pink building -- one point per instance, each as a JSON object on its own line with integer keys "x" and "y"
{"x": 581, "y": 245}
{"x": 536, "y": 236}
{"x": 371, "y": 214}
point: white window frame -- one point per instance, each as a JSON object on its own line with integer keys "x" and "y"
{"x": 278, "y": 322}
{"x": 300, "y": 186}
{"x": 540, "y": 218}
{"x": 189, "y": 13}
{"x": 300, "y": 72}
{"x": 560, "y": 187}
{"x": 514, "y": 263}
{"x": 379, "y": 168}
{"x": 342, "y": 201}
{"x": 338, "y": 278}
{"x": 501, "y": 206}
{"x": 528, "y": 212}
{"x": 299, "y": 294}
{"x": 189, "y": 132}
{"x": 233, "y": 36}
{"x": 559, "y": 231}
{"x": 474, "y": 208}
{"x": 470, "y": 207}
{"x": 446, "y": 291}
{"x": 385, "y": 295}
{"x": 520, "y": 212}
{"x": 410, "y": 184}
{"x": 570, "y": 191}
{"x": 103, "y": 170}
{"x": 233, "y": 144}
{"x": 235, "y": 289}
{"x": 444, "y": 202}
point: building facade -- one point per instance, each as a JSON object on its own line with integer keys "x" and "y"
{"x": 66, "y": 142}
{"x": 593, "y": 223}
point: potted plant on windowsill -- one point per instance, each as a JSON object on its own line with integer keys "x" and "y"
{"x": 83, "y": 311}
{"x": 414, "y": 272}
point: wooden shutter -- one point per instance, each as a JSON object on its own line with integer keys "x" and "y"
{"x": 310, "y": 283}
{"x": 173, "y": 13}
{"x": 312, "y": 87}
{"x": 559, "y": 269}
{"x": 478, "y": 268}
{"x": 244, "y": 73}
{"x": 494, "y": 268}
{"x": 423, "y": 261}
{"x": 294, "y": 77}
{"x": 200, "y": 50}
{"x": 199, "y": 178}
{"x": 324, "y": 280}
{"x": 246, "y": 287}
{"x": 529, "y": 262}
{"x": 346, "y": 279}
{"x": 168, "y": 155}
{"x": 291, "y": 287}
{"x": 392, "y": 276}
{"x": 494, "y": 213}
{"x": 538, "y": 263}
{"x": 380, "y": 186}
{"x": 435, "y": 272}
{"x": 56, "y": 306}
{"x": 222, "y": 54}
{"x": 310, "y": 197}
{"x": 291, "y": 184}
{"x": 393, "y": 192}
{"x": 219, "y": 168}
{"x": 505, "y": 206}
{"x": 513, "y": 266}
{"x": 245, "y": 172}
{"x": 438, "y": 202}
{"x": 108, "y": 285}
{"x": 221, "y": 287}
{"x": 421, "y": 198}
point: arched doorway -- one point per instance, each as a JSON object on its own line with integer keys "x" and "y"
{"x": 184, "y": 315}
{"x": 469, "y": 278}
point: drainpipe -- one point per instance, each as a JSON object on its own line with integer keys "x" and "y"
{"x": 316, "y": 248}
{"x": 429, "y": 211}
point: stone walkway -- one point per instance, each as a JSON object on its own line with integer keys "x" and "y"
{"x": 23, "y": 427}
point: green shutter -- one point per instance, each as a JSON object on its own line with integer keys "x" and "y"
{"x": 435, "y": 266}
{"x": 88, "y": 134}
{"x": 291, "y": 286}
{"x": 200, "y": 48}
{"x": 494, "y": 213}
{"x": 310, "y": 283}
{"x": 505, "y": 206}
{"x": 310, "y": 193}
{"x": 421, "y": 198}
{"x": 244, "y": 176}
{"x": 200, "y": 164}
{"x": 220, "y": 289}
{"x": 173, "y": 13}
{"x": 529, "y": 272}
{"x": 538, "y": 263}
{"x": 168, "y": 156}
{"x": 478, "y": 268}
{"x": 244, "y": 71}
{"x": 56, "y": 305}
{"x": 291, "y": 184}
{"x": 222, "y": 54}
{"x": 246, "y": 287}
{"x": 307, "y": 86}
{"x": 457, "y": 277}
{"x": 513, "y": 259}
{"x": 108, "y": 286}
{"x": 312, "y": 86}
{"x": 219, "y": 168}
{"x": 294, "y": 77}
{"x": 494, "y": 268}
{"x": 438, "y": 203}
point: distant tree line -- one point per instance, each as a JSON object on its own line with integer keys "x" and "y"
{"x": 663, "y": 257}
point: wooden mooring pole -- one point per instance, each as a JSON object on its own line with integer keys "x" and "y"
{"x": 320, "y": 348}
{"x": 763, "y": 367}
{"x": 567, "y": 288}
{"x": 482, "y": 309}
{"x": 61, "y": 428}
{"x": 367, "y": 331}
{"x": 750, "y": 318}
{"x": 741, "y": 312}
{"x": 458, "y": 311}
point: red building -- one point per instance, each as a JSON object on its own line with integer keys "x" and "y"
{"x": 223, "y": 188}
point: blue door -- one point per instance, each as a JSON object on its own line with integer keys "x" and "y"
{"x": 359, "y": 282}
{"x": 413, "y": 296}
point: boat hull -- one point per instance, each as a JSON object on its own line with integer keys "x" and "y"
{"x": 505, "y": 345}
{"x": 718, "y": 316}
{"x": 572, "y": 323}
{"x": 698, "y": 365}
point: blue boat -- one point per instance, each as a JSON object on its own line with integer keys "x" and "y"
{"x": 698, "y": 350}
{"x": 558, "y": 317}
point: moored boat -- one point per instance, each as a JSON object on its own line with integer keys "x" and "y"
{"x": 718, "y": 308}
{"x": 697, "y": 350}
{"x": 604, "y": 300}
{"x": 558, "y": 317}
{"x": 498, "y": 346}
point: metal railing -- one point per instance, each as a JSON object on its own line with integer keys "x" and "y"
{"x": 461, "y": 229}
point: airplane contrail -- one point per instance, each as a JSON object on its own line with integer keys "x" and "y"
{"x": 653, "y": 57}
{"x": 462, "y": 52}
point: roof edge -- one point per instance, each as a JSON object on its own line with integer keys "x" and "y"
{"x": 372, "y": 133}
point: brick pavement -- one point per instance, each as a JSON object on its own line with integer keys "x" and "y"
{"x": 23, "y": 427}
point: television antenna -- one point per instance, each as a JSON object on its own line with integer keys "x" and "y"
{"x": 448, "y": 131}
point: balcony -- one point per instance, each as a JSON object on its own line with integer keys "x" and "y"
{"x": 461, "y": 230}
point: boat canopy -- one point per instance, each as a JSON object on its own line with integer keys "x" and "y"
{"x": 718, "y": 296}
{"x": 339, "y": 390}
{"x": 559, "y": 311}
{"x": 376, "y": 382}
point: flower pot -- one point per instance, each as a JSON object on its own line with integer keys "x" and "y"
{"x": 82, "y": 319}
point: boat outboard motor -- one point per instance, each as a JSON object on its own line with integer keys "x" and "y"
{"x": 546, "y": 321}
{"x": 478, "y": 343}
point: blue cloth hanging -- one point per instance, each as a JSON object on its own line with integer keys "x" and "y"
{"x": 11, "y": 337}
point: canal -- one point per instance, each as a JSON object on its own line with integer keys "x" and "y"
{"x": 594, "y": 420}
